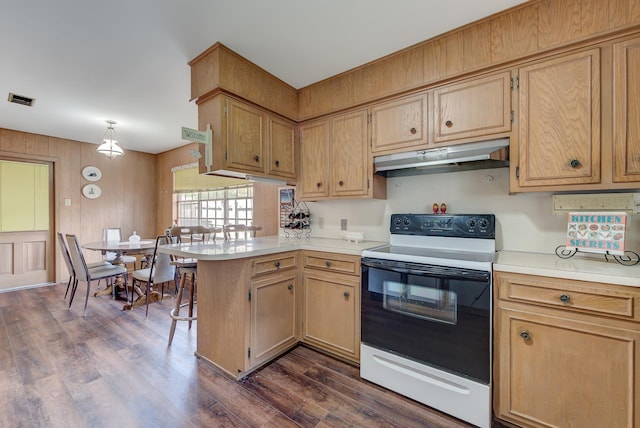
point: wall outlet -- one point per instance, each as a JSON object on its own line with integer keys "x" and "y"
{"x": 343, "y": 224}
{"x": 67, "y": 202}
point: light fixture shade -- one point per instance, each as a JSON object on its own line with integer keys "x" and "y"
{"x": 109, "y": 146}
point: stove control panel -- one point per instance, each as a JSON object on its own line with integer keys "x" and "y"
{"x": 449, "y": 225}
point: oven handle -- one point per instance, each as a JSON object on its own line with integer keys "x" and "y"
{"x": 424, "y": 269}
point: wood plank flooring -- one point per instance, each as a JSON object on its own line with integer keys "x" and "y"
{"x": 113, "y": 369}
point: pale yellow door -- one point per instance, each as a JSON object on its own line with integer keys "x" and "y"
{"x": 26, "y": 246}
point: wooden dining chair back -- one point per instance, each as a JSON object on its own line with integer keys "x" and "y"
{"x": 160, "y": 271}
{"x": 193, "y": 234}
{"x": 232, "y": 231}
{"x": 83, "y": 273}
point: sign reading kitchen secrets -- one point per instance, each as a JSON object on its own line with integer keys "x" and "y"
{"x": 597, "y": 232}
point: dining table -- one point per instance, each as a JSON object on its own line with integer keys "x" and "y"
{"x": 121, "y": 248}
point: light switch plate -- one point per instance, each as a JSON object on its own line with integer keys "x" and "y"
{"x": 67, "y": 202}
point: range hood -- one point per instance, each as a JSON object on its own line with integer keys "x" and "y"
{"x": 462, "y": 157}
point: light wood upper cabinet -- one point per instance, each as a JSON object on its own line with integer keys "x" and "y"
{"x": 472, "y": 109}
{"x": 626, "y": 110}
{"x": 578, "y": 339}
{"x": 313, "y": 181}
{"x": 350, "y": 163}
{"x": 335, "y": 161}
{"x": 245, "y": 137}
{"x": 282, "y": 148}
{"x": 559, "y": 138}
{"x": 399, "y": 124}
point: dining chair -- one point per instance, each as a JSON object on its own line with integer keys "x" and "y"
{"x": 114, "y": 234}
{"x": 67, "y": 260}
{"x": 236, "y": 229}
{"x": 161, "y": 271}
{"x": 83, "y": 273}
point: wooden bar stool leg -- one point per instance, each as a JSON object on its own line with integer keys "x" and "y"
{"x": 176, "y": 309}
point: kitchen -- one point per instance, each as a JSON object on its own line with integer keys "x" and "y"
{"x": 525, "y": 221}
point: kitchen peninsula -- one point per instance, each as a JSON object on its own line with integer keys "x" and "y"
{"x": 259, "y": 297}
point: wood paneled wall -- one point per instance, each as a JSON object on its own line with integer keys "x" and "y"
{"x": 128, "y": 196}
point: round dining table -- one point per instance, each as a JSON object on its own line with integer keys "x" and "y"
{"x": 144, "y": 246}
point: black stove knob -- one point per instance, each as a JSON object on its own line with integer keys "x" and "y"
{"x": 397, "y": 222}
{"x": 484, "y": 223}
{"x": 406, "y": 221}
{"x": 471, "y": 223}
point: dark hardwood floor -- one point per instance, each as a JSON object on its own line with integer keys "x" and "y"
{"x": 113, "y": 369}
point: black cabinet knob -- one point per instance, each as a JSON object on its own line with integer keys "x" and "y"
{"x": 290, "y": 287}
{"x": 448, "y": 124}
{"x": 575, "y": 163}
{"x": 328, "y": 263}
{"x": 277, "y": 163}
{"x": 525, "y": 335}
{"x": 277, "y": 263}
{"x": 565, "y": 298}
{"x": 341, "y": 183}
{"x": 413, "y": 131}
{"x": 256, "y": 158}
{"x": 346, "y": 294}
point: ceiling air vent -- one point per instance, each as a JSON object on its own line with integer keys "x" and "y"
{"x": 20, "y": 99}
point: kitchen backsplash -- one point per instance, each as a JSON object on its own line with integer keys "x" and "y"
{"x": 524, "y": 221}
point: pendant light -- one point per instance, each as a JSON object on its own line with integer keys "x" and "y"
{"x": 109, "y": 146}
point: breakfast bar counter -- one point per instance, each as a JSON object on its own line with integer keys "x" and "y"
{"x": 253, "y": 296}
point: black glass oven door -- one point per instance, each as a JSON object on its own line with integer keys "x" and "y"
{"x": 432, "y": 314}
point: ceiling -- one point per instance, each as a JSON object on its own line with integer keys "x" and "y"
{"x": 86, "y": 61}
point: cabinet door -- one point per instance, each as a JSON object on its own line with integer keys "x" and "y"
{"x": 245, "y": 137}
{"x": 556, "y": 371}
{"x": 313, "y": 181}
{"x": 626, "y": 110}
{"x": 331, "y": 313}
{"x": 472, "y": 109}
{"x": 349, "y": 154}
{"x": 559, "y": 121}
{"x": 399, "y": 125}
{"x": 273, "y": 316}
{"x": 282, "y": 151}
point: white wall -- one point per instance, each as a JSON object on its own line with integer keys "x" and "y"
{"x": 524, "y": 221}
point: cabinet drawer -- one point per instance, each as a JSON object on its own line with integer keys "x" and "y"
{"x": 580, "y": 296}
{"x": 332, "y": 262}
{"x": 273, "y": 263}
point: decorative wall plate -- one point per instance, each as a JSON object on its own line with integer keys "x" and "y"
{"x": 91, "y": 173}
{"x": 91, "y": 191}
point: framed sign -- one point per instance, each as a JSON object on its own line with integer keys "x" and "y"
{"x": 597, "y": 232}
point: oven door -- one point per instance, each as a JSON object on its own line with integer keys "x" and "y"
{"x": 436, "y": 315}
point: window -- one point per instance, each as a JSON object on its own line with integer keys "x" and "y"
{"x": 215, "y": 207}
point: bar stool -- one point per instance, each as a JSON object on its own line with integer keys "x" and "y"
{"x": 187, "y": 270}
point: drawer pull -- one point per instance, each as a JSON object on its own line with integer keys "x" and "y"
{"x": 448, "y": 124}
{"x": 525, "y": 335}
{"x": 277, "y": 263}
{"x": 290, "y": 287}
{"x": 413, "y": 131}
{"x": 256, "y": 158}
{"x": 565, "y": 298}
{"x": 346, "y": 294}
{"x": 575, "y": 163}
{"x": 328, "y": 263}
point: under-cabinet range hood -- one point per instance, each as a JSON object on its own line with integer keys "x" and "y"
{"x": 462, "y": 157}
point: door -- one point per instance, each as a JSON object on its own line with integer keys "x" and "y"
{"x": 314, "y": 161}
{"x": 282, "y": 151}
{"x": 245, "y": 137}
{"x": 399, "y": 125}
{"x": 626, "y": 110}
{"x": 559, "y": 121}
{"x": 26, "y": 244}
{"x": 349, "y": 154}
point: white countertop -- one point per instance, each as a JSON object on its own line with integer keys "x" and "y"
{"x": 591, "y": 267}
{"x": 265, "y": 245}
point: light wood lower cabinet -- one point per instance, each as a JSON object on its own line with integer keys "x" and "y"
{"x": 331, "y": 308}
{"x": 566, "y": 353}
{"x": 246, "y": 311}
{"x": 273, "y": 316}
